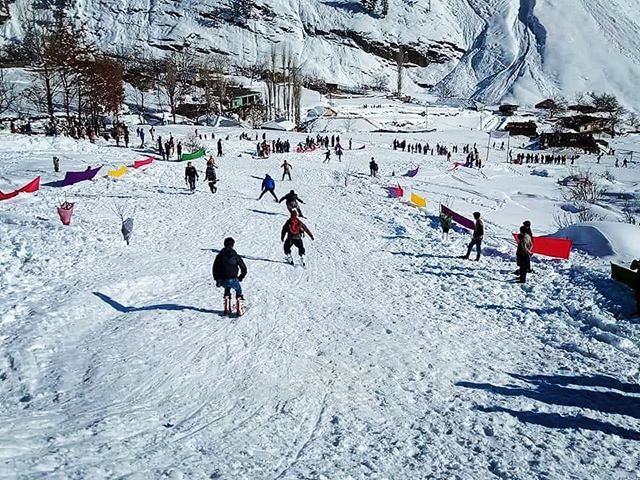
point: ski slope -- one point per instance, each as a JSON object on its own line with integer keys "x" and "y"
{"x": 386, "y": 357}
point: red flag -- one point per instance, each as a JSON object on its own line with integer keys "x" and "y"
{"x": 31, "y": 187}
{"x": 551, "y": 247}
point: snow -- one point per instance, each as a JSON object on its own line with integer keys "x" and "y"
{"x": 521, "y": 51}
{"x": 604, "y": 239}
{"x": 386, "y": 357}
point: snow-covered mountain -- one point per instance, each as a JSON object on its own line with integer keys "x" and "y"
{"x": 486, "y": 49}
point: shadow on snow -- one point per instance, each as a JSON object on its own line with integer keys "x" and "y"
{"x": 555, "y": 390}
{"x": 170, "y": 307}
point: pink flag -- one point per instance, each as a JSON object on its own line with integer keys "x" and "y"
{"x": 142, "y": 163}
{"x": 65, "y": 211}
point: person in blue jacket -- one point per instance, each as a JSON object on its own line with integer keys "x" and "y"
{"x": 268, "y": 185}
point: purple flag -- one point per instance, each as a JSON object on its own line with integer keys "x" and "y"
{"x": 74, "y": 177}
{"x": 459, "y": 219}
{"x": 413, "y": 173}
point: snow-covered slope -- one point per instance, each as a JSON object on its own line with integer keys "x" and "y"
{"x": 386, "y": 357}
{"x": 487, "y": 49}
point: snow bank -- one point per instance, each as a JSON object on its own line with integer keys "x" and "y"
{"x": 604, "y": 239}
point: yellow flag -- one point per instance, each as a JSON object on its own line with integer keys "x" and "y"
{"x": 118, "y": 172}
{"x": 418, "y": 200}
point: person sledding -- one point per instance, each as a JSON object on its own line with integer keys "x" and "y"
{"x": 228, "y": 271}
{"x": 190, "y": 176}
{"x": 210, "y": 176}
{"x": 294, "y": 231}
{"x": 292, "y": 202}
{"x": 478, "y": 235}
{"x": 268, "y": 185}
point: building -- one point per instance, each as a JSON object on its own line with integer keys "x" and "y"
{"x": 587, "y": 124}
{"x": 547, "y": 104}
{"x": 525, "y": 129}
{"x": 242, "y": 97}
{"x": 508, "y": 110}
{"x": 583, "y": 141}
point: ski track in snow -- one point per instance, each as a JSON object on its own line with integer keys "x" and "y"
{"x": 385, "y": 357}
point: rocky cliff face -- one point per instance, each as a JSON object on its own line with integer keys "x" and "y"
{"x": 489, "y": 50}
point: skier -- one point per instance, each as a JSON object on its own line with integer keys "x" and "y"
{"x": 523, "y": 254}
{"x": 179, "y": 151}
{"x": 190, "y": 176}
{"x": 210, "y": 176}
{"x": 373, "y": 168}
{"x": 292, "y": 201}
{"x": 126, "y": 136}
{"x": 286, "y": 170}
{"x": 478, "y": 234}
{"x": 56, "y": 164}
{"x": 141, "y": 138}
{"x": 220, "y": 147}
{"x": 327, "y": 156}
{"x": 339, "y": 153}
{"x": 228, "y": 271}
{"x": 445, "y": 223}
{"x": 294, "y": 230}
{"x": 268, "y": 185}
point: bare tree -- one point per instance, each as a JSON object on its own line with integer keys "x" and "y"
{"x": 139, "y": 72}
{"x": 612, "y": 107}
{"x": 177, "y": 78}
{"x": 37, "y": 46}
{"x": 8, "y": 93}
{"x": 559, "y": 105}
{"x": 212, "y": 80}
{"x": 401, "y": 59}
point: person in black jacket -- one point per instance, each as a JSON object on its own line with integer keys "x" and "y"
{"x": 478, "y": 235}
{"x": 190, "y": 176}
{"x": 210, "y": 176}
{"x": 293, "y": 202}
{"x": 228, "y": 271}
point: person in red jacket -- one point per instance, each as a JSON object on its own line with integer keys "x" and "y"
{"x": 294, "y": 231}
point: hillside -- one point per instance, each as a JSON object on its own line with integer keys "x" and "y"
{"x": 489, "y": 50}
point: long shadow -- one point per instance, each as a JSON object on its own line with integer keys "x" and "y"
{"x": 55, "y": 184}
{"x": 555, "y": 420}
{"x": 177, "y": 192}
{"x": 171, "y": 307}
{"x": 264, "y": 212}
{"x": 583, "y": 380}
{"x": 248, "y": 257}
{"x": 423, "y": 255}
{"x": 606, "y": 402}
